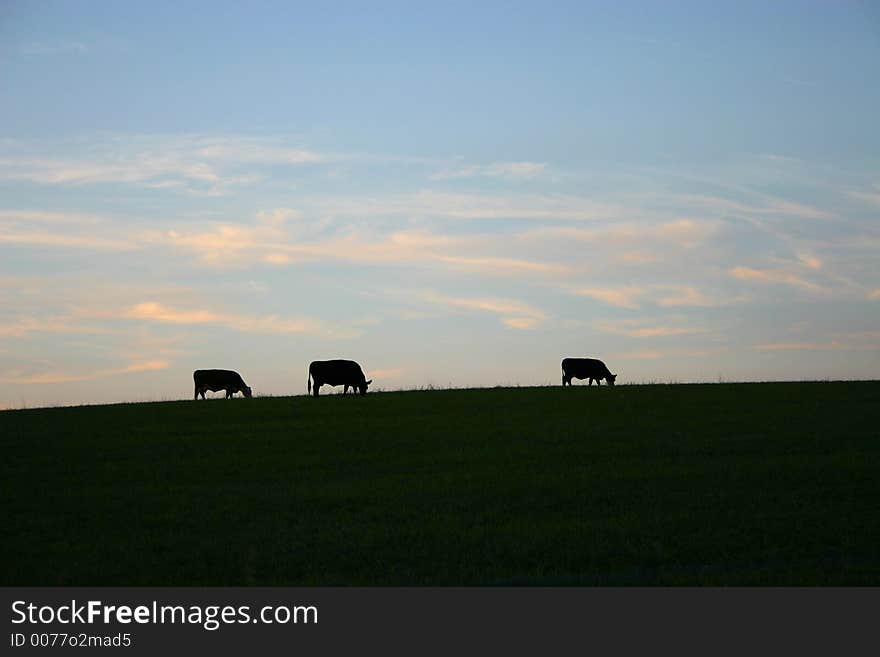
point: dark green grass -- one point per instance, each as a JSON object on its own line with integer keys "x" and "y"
{"x": 685, "y": 484}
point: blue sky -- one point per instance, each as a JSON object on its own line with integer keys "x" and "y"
{"x": 449, "y": 194}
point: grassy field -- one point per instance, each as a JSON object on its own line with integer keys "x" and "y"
{"x": 775, "y": 483}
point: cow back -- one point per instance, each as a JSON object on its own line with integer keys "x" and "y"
{"x": 337, "y": 372}
{"x": 218, "y": 377}
{"x": 584, "y": 367}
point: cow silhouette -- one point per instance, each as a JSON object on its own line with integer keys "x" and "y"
{"x": 215, "y": 380}
{"x": 586, "y": 368}
{"x": 337, "y": 373}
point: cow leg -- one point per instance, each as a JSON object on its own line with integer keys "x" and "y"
{"x": 345, "y": 389}
{"x": 316, "y": 387}
{"x": 196, "y": 395}
{"x": 590, "y": 381}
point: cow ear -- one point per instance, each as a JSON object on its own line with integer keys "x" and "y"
{"x": 369, "y": 382}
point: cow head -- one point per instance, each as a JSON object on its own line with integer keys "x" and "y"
{"x": 247, "y": 391}
{"x": 611, "y": 378}
{"x": 363, "y": 386}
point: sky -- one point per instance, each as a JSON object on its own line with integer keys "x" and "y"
{"x": 452, "y": 194}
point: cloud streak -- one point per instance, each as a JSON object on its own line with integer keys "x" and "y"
{"x": 22, "y": 327}
{"x": 66, "y": 377}
{"x": 833, "y": 345}
{"x": 452, "y": 205}
{"x": 639, "y": 329}
{"x": 779, "y": 276}
{"x": 622, "y": 297}
{"x": 513, "y": 170}
{"x": 633, "y": 297}
{"x": 193, "y": 163}
{"x": 153, "y": 311}
{"x": 512, "y": 314}
{"x": 278, "y": 243}
{"x": 683, "y": 233}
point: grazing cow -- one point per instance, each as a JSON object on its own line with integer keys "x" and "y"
{"x": 586, "y": 368}
{"x": 215, "y": 380}
{"x": 337, "y": 373}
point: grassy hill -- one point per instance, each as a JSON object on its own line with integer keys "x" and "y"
{"x": 775, "y": 483}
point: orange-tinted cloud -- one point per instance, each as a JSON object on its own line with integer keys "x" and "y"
{"x": 67, "y": 377}
{"x": 774, "y": 276}
{"x": 622, "y": 297}
{"x": 643, "y": 329}
{"x": 157, "y": 312}
{"x": 514, "y": 314}
{"x": 160, "y": 313}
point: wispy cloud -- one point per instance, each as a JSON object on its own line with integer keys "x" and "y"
{"x": 69, "y": 230}
{"x": 232, "y": 244}
{"x": 68, "y": 377}
{"x": 200, "y": 164}
{"x": 685, "y": 296}
{"x": 657, "y": 354}
{"x": 496, "y": 170}
{"x": 513, "y": 314}
{"x": 271, "y": 238}
{"x": 44, "y": 238}
{"x": 870, "y": 196}
{"x": 274, "y": 241}
{"x": 832, "y": 345}
{"x": 772, "y": 206}
{"x": 644, "y": 354}
{"x": 48, "y": 217}
{"x": 638, "y": 257}
{"x": 644, "y": 329}
{"x": 684, "y": 233}
{"x": 622, "y": 297}
{"x": 430, "y": 203}
{"x": 632, "y": 296}
{"x": 504, "y": 265}
{"x": 21, "y": 327}
{"x": 837, "y": 341}
{"x": 781, "y": 276}
{"x": 810, "y": 261}
{"x": 157, "y": 312}
{"x": 160, "y": 313}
